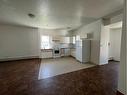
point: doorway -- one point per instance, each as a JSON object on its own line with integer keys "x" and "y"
{"x": 115, "y": 34}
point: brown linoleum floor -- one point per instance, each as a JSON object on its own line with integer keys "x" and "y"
{"x": 21, "y": 78}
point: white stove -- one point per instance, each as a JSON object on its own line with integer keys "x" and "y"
{"x": 56, "y": 53}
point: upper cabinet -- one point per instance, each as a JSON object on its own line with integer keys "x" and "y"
{"x": 61, "y": 39}
{"x": 65, "y": 39}
{"x": 56, "y": 38}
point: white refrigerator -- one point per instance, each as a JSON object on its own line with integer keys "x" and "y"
{"x": 83, "y": 50}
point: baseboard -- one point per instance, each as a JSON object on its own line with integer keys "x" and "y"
{"x": 20, "y": 58}
{"x": 72, "y": 56}
{"x": 119, "y": 93}
{"x": 114, "y": 60}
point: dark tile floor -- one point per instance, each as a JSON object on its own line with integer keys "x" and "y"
{"x": 21, "y": 78}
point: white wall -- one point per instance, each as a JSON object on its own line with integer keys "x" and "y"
{"x": 94, "y": 29}
{"x": 112, "y": 36}
{"x": 116, "y": 18}
{"x": 18, "y": 42}
{"x": 104, "y": 44}
{"x": 115, "y": 44}
{"x": 54, "y": 32}
{"x": 122, "y": 82}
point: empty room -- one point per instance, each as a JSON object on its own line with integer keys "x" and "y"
{"x": 63, "y": 47}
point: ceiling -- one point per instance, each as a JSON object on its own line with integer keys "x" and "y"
{"x": 55, "y": 14}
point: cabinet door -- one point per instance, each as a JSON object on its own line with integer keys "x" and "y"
{"x": 65, "y": 39}
{"x": 49, "y": 54}
{"x": 73, "y": 52}
{"x": 62, "y": 40}
{"x": 67, "y": 52}
{"x": 45, "y": 54}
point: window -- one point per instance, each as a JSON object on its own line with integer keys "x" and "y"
{"x": 45, "y": 42}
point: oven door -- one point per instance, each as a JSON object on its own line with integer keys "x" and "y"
{"x": 56, "y": 53}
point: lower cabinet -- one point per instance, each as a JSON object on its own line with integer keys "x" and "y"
{"x": 46, "y": 54}
{"x": 64, "y": 52}
{"x": 67, "y": 52}
{"x": 73, "y": 53}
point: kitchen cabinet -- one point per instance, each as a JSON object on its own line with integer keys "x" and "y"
{"x": 46, "y": 54}
{"x": 63, "y": 52}
{"x": 61, "y": 39}
{"x": 73, "y": 53}
{"x": 67, "y": 52}
{"x": 56, "y": 39}
{"x": 67, "y": 40}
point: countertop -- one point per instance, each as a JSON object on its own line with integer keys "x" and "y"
{"x": 51, "y": 49}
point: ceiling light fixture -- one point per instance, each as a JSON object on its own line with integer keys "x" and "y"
{"x": 31, "y": 15}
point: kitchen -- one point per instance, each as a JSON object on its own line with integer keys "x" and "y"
{"x": 57, "y": 46}
{"x": 57, "y": 43}
{"x": 60, "y": 43}
{"x": 62, "y": 52}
